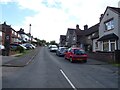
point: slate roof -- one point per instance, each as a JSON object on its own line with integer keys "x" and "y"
{"x": 79, "y": 32}
{"x": 117, "y": 10}
{"x": 89, "y": 31}
{"x": 71, "y": 30}
{"x": 114, "y": 9}
{"x": 62, "y": 37}
{"x": 92, "y": 29}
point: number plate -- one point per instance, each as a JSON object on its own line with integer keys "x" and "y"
{"x": 79, "y": 59}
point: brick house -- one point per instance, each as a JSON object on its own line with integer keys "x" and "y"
{"x": 62, "y": 40}
{"x": 69, "y": 37}
{"x": 83, "y": 38}
{"x": 9, "y": 35}
{"x": 78, "y": 37}
{"x": 23, "y": 36}
{"x": 90, "y": 34}
{"x": 6, "y": 37}
{"x": 15, "y": 37}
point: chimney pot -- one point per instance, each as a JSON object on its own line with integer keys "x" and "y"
{"x": 101, "y": 16}
{"x": 85, "y": 27}
{"x": 77, "y": 27}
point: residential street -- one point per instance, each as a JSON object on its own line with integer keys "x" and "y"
{"x": 50, "y": 71}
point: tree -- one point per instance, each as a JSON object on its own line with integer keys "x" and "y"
{"x": 53, "y": 43}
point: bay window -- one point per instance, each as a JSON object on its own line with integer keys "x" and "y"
{"x": 109, "y": 45}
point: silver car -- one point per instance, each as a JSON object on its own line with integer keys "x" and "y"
{"x": 61, "y": 51}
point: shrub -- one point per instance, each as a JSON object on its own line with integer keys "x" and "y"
{"x": 20, "y": 49}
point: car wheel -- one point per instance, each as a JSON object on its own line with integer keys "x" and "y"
{"x": 56, "y": 54}
{"x": 65, "y": 57}
{"x": 71, "y": 60}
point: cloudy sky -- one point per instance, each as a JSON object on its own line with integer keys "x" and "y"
{"x": 51, "y": 18}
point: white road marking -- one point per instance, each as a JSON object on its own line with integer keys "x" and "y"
{"x": 68, "y": 79}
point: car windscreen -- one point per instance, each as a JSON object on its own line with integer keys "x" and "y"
{"x": 79, "y": 52}
{"x": 54, "y": 47}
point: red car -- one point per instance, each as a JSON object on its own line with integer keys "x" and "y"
{"x": 76, "y": 54}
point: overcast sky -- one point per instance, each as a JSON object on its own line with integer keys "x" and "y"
{"x": 51, "y": 18}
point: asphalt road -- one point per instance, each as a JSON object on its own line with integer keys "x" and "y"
{"x": 50, "y": 71}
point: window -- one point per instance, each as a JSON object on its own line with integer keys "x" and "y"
{"x": 112, "y": 44}
{"x": 79, "y": 52}
{"x": 0, "y": 33}
{"x": 96, "y": 44}
{"x": 67, "y": 37}
{"x": 109, "y": 45}
{"x": 89, "y": 37}
{"x": 105, "y": 46}
{"x": 109, "y": 25}
{"x": 93, "y": 34}
{"x": 74, "y": 39}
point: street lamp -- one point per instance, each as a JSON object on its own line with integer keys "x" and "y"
{"x": 30, "y": 32}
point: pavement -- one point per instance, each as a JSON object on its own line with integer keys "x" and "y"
{"x": 13, "y": 61}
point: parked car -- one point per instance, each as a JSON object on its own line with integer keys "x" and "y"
{"x": 76, "y": 54}
{"x": 53, "y": 48}
{"x": 61, "y": 51}
{"x": 14, "y": 46}
{"x": 28, "y": 46}
{"x": 23, "y": 46}
{"x": 49, "y": 46}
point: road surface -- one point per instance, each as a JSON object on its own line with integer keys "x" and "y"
{"x": 50, "y": 71}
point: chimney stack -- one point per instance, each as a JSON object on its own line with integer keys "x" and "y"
{"x": 77, "y": 27}
{"x": 85, "y": 27}
{"x": 101, "y": 16}
{"x": 4, "y": 23}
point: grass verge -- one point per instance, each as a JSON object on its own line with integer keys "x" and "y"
{"x": 116, "y": 64}
{"x": 24, "y": 53}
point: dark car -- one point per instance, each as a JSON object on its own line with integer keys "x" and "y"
{"x": 28, "y": 46}
{"x": 61, "y": 51}
{"x": 14, "y": 46}
{"x": 76, "y": 54}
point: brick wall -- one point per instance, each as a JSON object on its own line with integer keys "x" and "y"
{"x": 102, "y": 56}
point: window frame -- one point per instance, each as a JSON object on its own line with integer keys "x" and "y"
{"x": 106, "y": 42}
{"x": 110, "y": 25}
{"x": 109, "y": 42}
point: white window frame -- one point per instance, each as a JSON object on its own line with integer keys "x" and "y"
{"x": 89, "y": 37}
{"x": 109, "y": 42}
{"x": 67, "y": 37}
{"x": 109, "y": 25}
{"x": 0, "y": 33}
{"x": 93, "y": 34}
{"x": 114, "y": 43}
{"x": 96, "y": 45}
{"x": 74, "y": 38}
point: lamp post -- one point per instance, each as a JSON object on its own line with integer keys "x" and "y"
{"x": 30, "y": 33}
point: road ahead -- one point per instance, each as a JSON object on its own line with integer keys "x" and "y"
{"x": 50, "y": 71}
